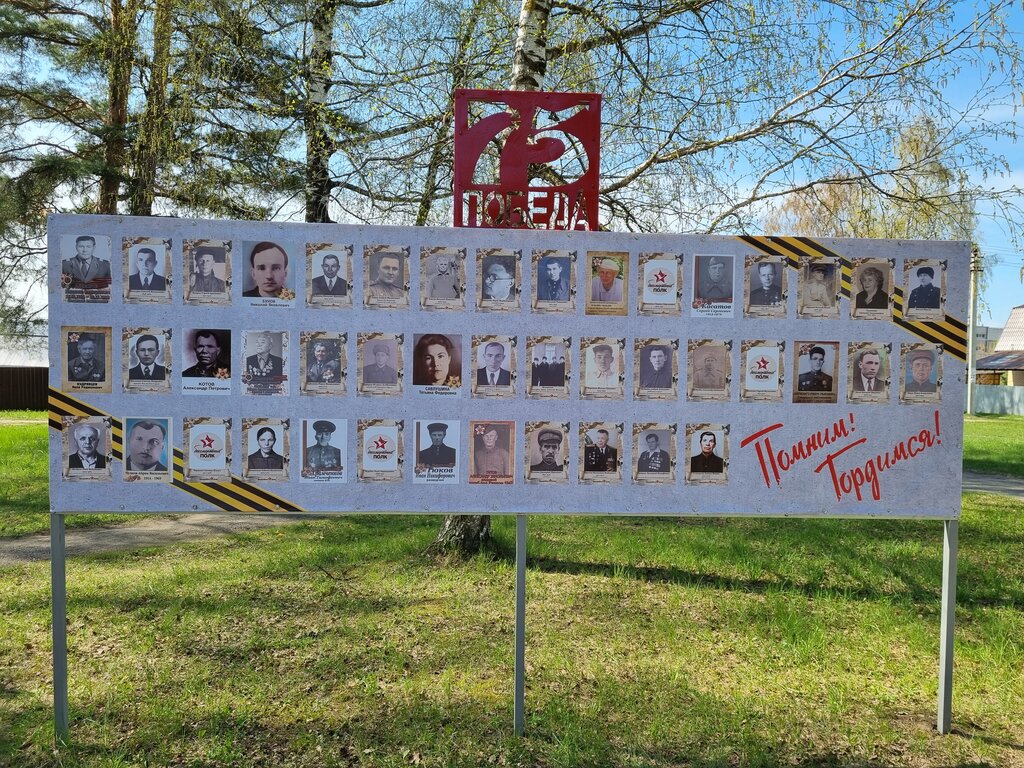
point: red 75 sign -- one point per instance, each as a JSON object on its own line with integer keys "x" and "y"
{"x": 533, "y": 129}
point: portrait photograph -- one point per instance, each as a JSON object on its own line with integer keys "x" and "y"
{"x": 871, "y": 290}
{"x": 499, "y": 279}
{"x": 764, "y": 286}
{"x": 707, "y": 459}
{"x": 85, "y": 274}
{"x": 437, "y": 451}
{"x": 922, "y": 373}
{"x": 607, "y": 283}
{"x": 818, "y": 287}
{"x": 924, "y": 289}
{"x": 86, "y": 449}
{"x": 600, "y": 452}
{"x": 654, "y": 453}
{"x": 549, "y": 366}
{"x": 547, "y": 452}
{"x": 602, "y": 369}
{"x": 380, "y": 450}
{"x": 87, "y": 358}
{"x": 492, "y": 452}
{"x": 206, "y": 357}
{"x": 709, "y": 370}
{"x": 324, "y": 371}
{"x": 816, "y": 366}
{"x": 554, "y": 281}
{"x": 146, "y": 276}
{"x": 207, "y": 443}
{"x": 329, "y": 275}
{"x": 494, "y": 364}
{"x": 206, "y": 267}
{"x": 386, "y": 277}
{"x": 655, "y": 368}
{"x": 266, "y": 451}
{"x": 264, "y": 362}
{"x": 324, "y": 449}
{"x": 660, "y": 288}
{"x": 868, "y": 372}
{"x": 379, "y": 363}
{"x": 148, "y": 450}
{"x": 443, "y": 278}
{"x": 712, "y": 285}
{"x": 146, "y": 359}
{"x": 268, "y": 276}
{"x": 437, "y": 363}
{"x": 762, "y": 376}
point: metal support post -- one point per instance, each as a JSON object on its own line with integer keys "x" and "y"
{"x": 519, "y": 715}
{"x": 950, "y": 543}
{"x": 59, "y": 595}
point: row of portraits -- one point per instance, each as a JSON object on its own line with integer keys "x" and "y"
{"x": 660, "y": 451}
{"x": 559, "y": 279}
{"x": 441, "y": 364}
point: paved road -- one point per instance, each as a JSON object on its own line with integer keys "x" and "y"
{"x": 154, "y": 532}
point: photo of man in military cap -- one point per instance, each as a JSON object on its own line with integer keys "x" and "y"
{"x": 437, "y": 454}
{"x": 322, "y": 456}
{"x": 549, "y": 442}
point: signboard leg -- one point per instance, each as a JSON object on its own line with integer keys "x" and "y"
{"x": 950, "y": 543}
{"x": 520, "y": 681}
{"x": 58, "y": 588}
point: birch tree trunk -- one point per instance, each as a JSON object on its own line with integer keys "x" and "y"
{"x": 466, "y": 534}
{"x": 319, "y": 144}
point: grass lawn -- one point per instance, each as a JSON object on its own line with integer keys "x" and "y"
{"x": 650, "y": 642}
{"x": 994, "y": 444}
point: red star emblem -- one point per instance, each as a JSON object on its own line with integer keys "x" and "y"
{"x": 762, "y": 364}
{"x": 660, "y": 275}
{"x": 380, "y": 443}
{"x": 207, "y": 442}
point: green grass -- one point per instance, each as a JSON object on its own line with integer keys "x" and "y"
{"x": 994, "y": 444}
{"x": 650, "y": 642}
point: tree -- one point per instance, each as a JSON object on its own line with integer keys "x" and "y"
{"x": 923, "y": 198}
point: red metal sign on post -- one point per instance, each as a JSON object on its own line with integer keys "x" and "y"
{"x": 547, "y": 167}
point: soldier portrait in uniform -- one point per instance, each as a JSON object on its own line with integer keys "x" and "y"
{"x": 765, "y": 278}
{"x": 386, "y": 269}
{"x": 816, "y": 363}
{"x": 437, "y": 452}
{"x": 264, "y": 363}
{"x": 85, "y": 268}
{"x": 709, "y": 369}
{"x": 379, "y": 363}
{"x": 554, "y": 281}
{"x": 816, "y": 287}
{"x": 922, "y": 373}
{"x": 442, "y": 278}
{"x": 547, "y": 446}
{"x": 323, "y": 356}
{"x": 654, "y": 453}
{"x": 713, "y": 286}
{"x": 87, "y": 351}
{"x": 924, "y": 281}
{"x": 600, "y": 445}
{"x": 323, "y": 456}
{"x": 602, "y": 367}
{"x": 491, "y": 451}
{"x": 207, "y": 271}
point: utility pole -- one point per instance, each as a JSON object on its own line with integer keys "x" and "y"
{"x": 972, "y": 321}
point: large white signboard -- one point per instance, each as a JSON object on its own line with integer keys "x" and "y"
{"x": 218, "y": 365}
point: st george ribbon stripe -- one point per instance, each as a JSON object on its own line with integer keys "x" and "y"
{"x": 950, "y": 332}
{"x": 234, "y": 496}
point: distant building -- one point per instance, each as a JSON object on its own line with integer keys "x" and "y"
{"x": 24, "y": 367}
{"x": 1007, "y": 355}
